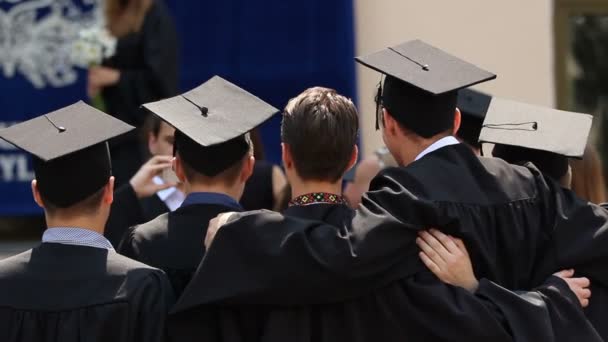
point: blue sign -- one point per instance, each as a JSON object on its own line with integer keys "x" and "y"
{"x": 273, "y": 48}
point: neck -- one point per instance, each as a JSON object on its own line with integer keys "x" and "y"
{"x": 234, "y": 191}
{"x": 94, "y": 223}
{"x": 301, "y": 187}
{"x": 407, "y": 153}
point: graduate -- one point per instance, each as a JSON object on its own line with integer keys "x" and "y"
{"x": 520, "y": 228}
{"x": 74, "y": 286}
{"x": 316, "y": 124}
{"x": 213, "y": 160}
{"x": 152, "y": 191}
{"x": 473, "y": 106}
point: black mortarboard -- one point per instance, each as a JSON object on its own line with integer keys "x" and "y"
{"x": 473, "y": 106}
{"x": 544, "y": 136}
{"x": 211, "y": 121}
{"x": 71, "y": 156}
{"x": 421, "y": 84}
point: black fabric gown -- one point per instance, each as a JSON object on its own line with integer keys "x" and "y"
{"x": 67, "y": 293}
{"x": 148, "y": 64}
{"x": 173, "y": 242}
{"x": 258, "y": 193}
{"x": 518, "y": 227}
{"x": 128, "y": 210}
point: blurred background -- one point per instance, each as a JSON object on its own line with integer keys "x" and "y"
{"x": 546, "y": 52}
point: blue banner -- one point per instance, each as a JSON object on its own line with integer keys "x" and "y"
{"x": 273, "y": 48}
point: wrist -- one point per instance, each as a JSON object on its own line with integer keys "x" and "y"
{"x": 137, "y": 191}
{"x": 472, "y": 286}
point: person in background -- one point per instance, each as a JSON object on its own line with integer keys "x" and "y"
{"x": 153, "y": 190}
{"x": 473, "y": 106}
{"x": 588, "y": 177}
{"x": 264, "y": 189}
{"x": 212, "y": 161}
{"x": 143, "y": 69}
{"x": 74, "y": 286}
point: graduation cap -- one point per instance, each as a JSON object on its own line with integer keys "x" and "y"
{"x": 69, "y": 146}
{"x": 473, "y": 106}
{"x": 544, "y": 136}
{"x": 211, "y": 122}
{"x": 420, "y": 89}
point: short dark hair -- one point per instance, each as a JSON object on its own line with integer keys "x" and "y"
{"x": 152, "y": 125}
{"x": 87, "y": 206}
{"x": 320, "y": 126}
{"x": 226, "y": 177}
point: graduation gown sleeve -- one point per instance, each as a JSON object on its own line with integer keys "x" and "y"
{"x": 156, "y": 298}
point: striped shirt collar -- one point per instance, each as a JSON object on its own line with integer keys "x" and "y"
{"x": 77, "y": 237}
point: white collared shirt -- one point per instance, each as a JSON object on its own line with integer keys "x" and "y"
{"x": 172, "y": 197}
{"x": 77, "y": 237}
{"x": 443, "y": 142}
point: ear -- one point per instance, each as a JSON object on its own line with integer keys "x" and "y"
{"x": 287, "y": 157}
{"x": 353, "y": 158}
{"x": 247, "y": 169}
{"x": 152, "y": 142}
{"x": 457, "y": 121}
{"x": 178, "y": 167}
{"x": 390, "y": 124}
{"x": 108, "y": 193}
{"x": 36, "y": 193}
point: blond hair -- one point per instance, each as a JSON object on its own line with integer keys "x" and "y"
{"x": 588, "y": 178}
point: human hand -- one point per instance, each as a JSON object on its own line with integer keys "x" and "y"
{"x": 143, "y": 181}
{"x": 100, "y": 77}
{"x": 215, "y": 225}
{"x": 447, "y": 258}
{"x": 580, "y": 286}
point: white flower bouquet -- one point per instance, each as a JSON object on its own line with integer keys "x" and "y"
{"x": 91, "y": 47}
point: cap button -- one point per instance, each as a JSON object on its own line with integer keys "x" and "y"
{"x": 204, "y": 111}
{"x": 425, "y": 67}
{"x": 61, "y": 129}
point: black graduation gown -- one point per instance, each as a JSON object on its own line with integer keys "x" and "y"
{"x": 148, "y": 64}
{"x": 128, "y": 210}
{"x": 67, "y": 293}
{"x": 173, "y": 242}
{"x": 515, "y": 224}
{"x": 258, "y": 193}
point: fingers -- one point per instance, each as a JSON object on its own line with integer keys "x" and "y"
{"x": 435, "y": 244}
{"x": 159, "y": 167}
{"x": 446, "y": 241}
{"x": 160, "y": 160}
{"x": 582, "y": 282}
{"x": 461, "y": 245}
{"x": 215, "y": 225}
{"x": 565, "y": 273}
{"x": 430, "y": 252}
{"x": 430, "y": 264}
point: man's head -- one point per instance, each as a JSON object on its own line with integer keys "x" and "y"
{"x": 161, "y": 137}
{"x": 212, "y": 149}
{"x": 319, "y": 133}
{"x": 71, "y": 161}
{"x": 419, "y": 95}
{"x": 411, "y": 118}
{"x": 225, "y": 167}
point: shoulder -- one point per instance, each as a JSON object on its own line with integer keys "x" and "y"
{"x": 15, "y": 264}
{"x": 151, "y": 229}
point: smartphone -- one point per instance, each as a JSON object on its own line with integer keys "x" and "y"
{"x": 169, "y": 176}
